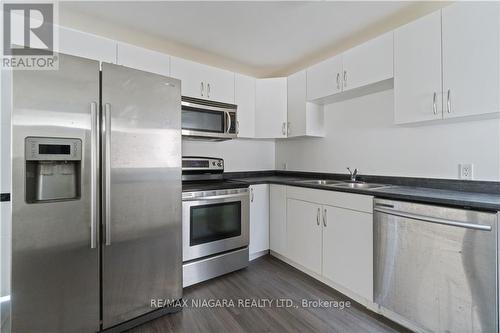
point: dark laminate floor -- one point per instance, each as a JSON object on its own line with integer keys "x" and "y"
{"x": 268, "y": 278}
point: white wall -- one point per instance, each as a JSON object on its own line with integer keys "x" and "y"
{"x": 360, "y": 134}
{"x": 238, "y": 155}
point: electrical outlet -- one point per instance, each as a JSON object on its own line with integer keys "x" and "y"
{"x": 285, "y": 166}
{"x": 466, "y": 171}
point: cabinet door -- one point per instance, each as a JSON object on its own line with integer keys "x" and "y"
{"x": 191, "y": 74}
{"x": 86, "y": 45}
{"x": 143, "y": 59}
{"x": 219, "y": 85}
{"x": 369, "y": 62}
{"x": 277, "y": 219}
{"x": 417, "y": 70}
{"x": 325, "y": 78}
{"x": 348, "y": 249}
{"x": 244, "y": 91}
{"x": 296, "y": 104}
{"x": 270, "y": 108}
{"x": 471, "y": 58}
{"x": 304, "y": 234}
{"x": 259, "y": 219}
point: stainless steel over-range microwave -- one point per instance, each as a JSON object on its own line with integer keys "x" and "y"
{"x": 203, "y": 119}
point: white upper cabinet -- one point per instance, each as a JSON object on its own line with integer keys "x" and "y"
{"x": 471, "y": 58}
{"x": 417, "y": 70}
{"x": 244, "y": 98}
{"x": 270, "y": 108}
{"x": 86, "y": 45}
{"x": 368, "y": 63}
{"x": 202, "y": 81}
{"x": 143, "y": 59}
{"x": 304, "y": 118}
{"x": 324, "y": 78}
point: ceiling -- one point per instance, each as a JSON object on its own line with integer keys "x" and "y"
{"x": 263, "y": 38}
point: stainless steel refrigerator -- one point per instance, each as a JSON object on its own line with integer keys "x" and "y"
{"x": 96, "y": 199}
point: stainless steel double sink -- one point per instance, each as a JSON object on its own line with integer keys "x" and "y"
{"x": 342, "y": 184}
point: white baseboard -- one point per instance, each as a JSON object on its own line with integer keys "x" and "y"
{"x": 256, "y": 255}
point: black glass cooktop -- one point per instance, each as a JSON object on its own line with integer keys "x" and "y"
{"x": 207, "y": 185}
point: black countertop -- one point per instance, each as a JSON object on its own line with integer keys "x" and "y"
{"x": 467, "y": 199}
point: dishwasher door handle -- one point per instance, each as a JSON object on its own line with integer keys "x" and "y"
{"x": 434, "y": 219}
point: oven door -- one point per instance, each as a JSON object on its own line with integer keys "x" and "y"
{"x": 215, "y": 223}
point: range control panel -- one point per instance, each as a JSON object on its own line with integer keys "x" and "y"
{"x": 193, "y": 163}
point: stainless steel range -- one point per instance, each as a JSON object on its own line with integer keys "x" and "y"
{"x": 215, "y": 220}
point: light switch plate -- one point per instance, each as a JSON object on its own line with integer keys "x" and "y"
{"x": 466, "y": 171}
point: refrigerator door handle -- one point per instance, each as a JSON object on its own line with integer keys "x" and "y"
{"x": 94, "y": 142}
{"x": 107, "y": 172}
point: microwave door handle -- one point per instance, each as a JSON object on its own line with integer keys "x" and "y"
{"x": 228, "y": 122}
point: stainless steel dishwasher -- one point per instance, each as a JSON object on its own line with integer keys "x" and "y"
{"x": 436, "y": 267}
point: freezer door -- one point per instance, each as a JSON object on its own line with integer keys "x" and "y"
{"x": 141, "y": 188}
{"x": 55, "y": 276}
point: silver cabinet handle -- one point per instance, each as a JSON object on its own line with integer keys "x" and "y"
{"x": 448, "y": 101}
{"x": 288, "y": 128}
{"x": 283, "y": 128}
{"x": 202, "y": 89}
{"x": 228, "y": 122}
{"x": 94, "y": 144}
{"x": 208, "y": 90}
{"x": 107, "y": 171}
{"x": 324, "y": 217}
{"x": 434, "y": 105}
{"x": 431, "y": 219}
{"x": 338, "y": 80}
{"x": 318, "y": 216}
{"x": 345, "y": 78}
{"x": 251, "y": 195}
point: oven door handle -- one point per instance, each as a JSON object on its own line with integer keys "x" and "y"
{"x": 216, "y": 197}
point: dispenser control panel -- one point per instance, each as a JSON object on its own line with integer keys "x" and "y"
{"x": 53, "y": 149}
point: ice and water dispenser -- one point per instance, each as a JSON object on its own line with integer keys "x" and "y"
{"x": 53, "y": 169}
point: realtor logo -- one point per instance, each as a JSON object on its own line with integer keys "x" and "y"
{"x": 29, "y": 35}
{"x": 28, "y": 29}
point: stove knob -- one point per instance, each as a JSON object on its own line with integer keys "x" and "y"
{"x": 219, "y": 164}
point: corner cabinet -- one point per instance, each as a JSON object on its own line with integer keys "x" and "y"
{"x": 447, "y": 64}
{"x": 270, "y": 108}
{"x": 259, "y": 220}
{"x": 202, "y": 81}
{"x": 303, "y": 118}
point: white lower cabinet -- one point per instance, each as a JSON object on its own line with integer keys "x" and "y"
{"x": 348, "y": 249}
{"x": 277, "y": 219}
{"x": 259, "y": 220}
{"x": 330, "y": 236}
{"x": 304, "y": 234}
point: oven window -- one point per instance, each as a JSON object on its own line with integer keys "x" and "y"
{"x": 204, "y": 121}
{"x": 214, "y": 222}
